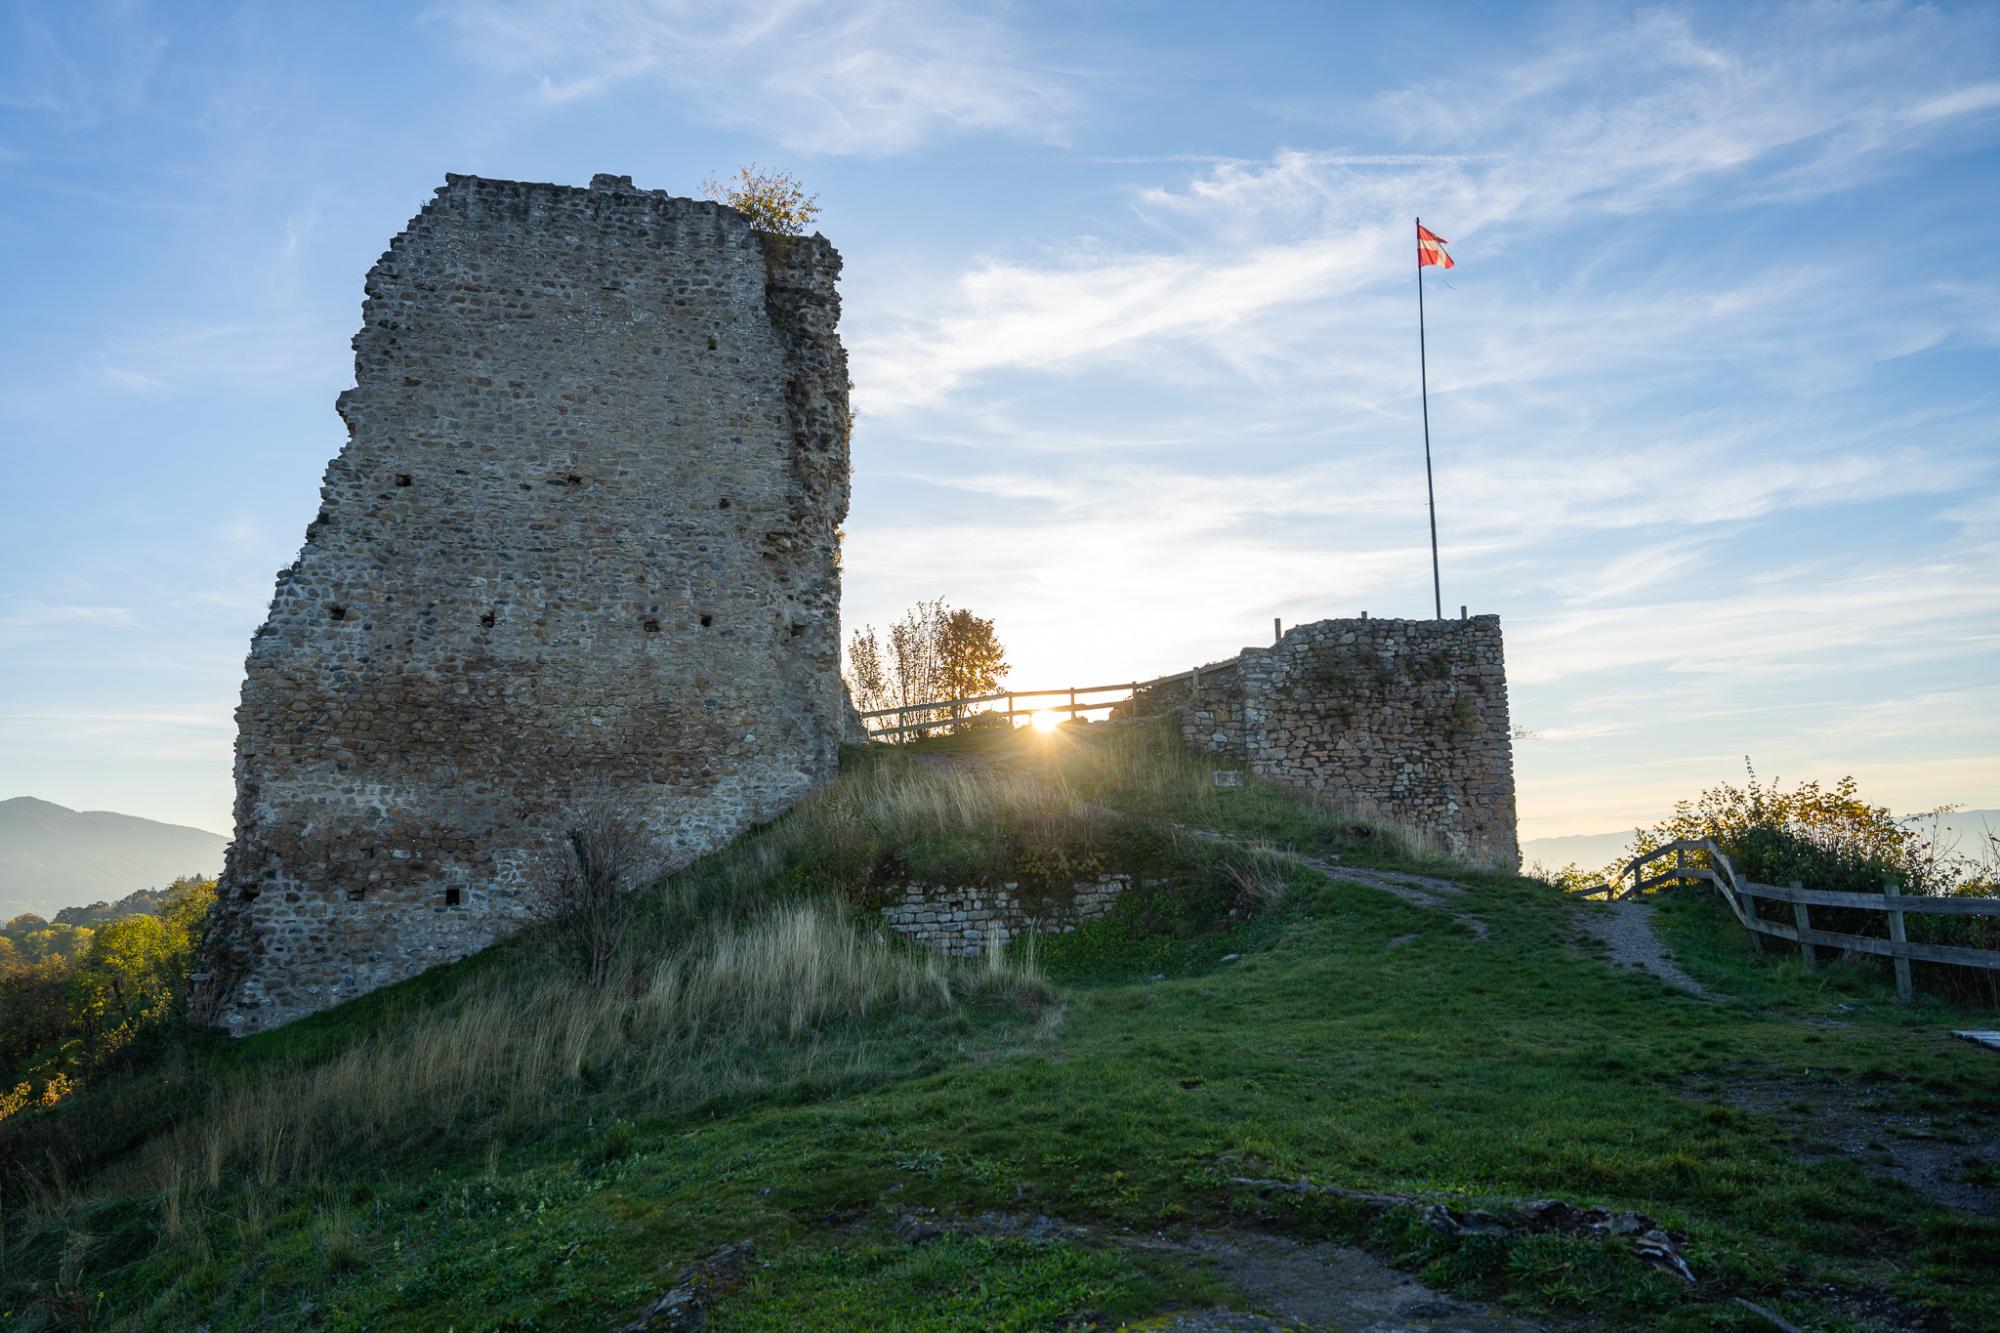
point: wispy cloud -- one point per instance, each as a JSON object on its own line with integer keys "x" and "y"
{"x": 1618, "y": 119}
{"x": 121, "y": 735}
{"x": 34, "y": 622}
{"x": 78, "y": 64}
{"x": 875, "y": 77}
{"x": 174, "y": 356}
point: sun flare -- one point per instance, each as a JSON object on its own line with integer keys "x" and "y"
{"x": 1046, "y": 721}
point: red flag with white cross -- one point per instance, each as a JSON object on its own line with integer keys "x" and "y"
{"x": 1430, "y": 248}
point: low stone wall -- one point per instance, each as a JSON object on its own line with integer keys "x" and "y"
{"x": 1396, "y": 719}
{"x": 1209, "y": 705}
{"x": 966, "y": 922}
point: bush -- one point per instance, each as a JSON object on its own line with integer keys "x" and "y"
{"x": 1830, "y": 838}
{"x": 772, "y": 200}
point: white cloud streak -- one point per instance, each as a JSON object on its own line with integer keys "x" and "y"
{"x": 873, "y": 77}
{"x": 1608, "y": 123}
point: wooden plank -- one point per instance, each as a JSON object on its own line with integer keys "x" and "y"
{"x": 1123, "y": 689}
{"x": 1986, "y": 959}
{"x": 1730, "y": 886}
{"x": 1672, "y": 876}
{"x": 1802, "y": 915}
{"x": 1679, "y": 844}
{"x": 934, "y": 705}
{"x": 1874, "y": 902}
{"x": 1904, "y": 990}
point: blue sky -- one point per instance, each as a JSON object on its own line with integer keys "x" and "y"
{"x": 1715, "y": 386}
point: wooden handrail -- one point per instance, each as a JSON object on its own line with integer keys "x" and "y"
{"x": 1740, "y": 895}
{"x": 1127, "y": 687}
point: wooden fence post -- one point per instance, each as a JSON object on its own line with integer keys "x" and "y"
{"x": 1802, "y": 916}
{"x": 1749, "y": 901}
{"x": 1905, "y": 991}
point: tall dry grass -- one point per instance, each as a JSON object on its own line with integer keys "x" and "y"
{"x": 733, "y": 1008}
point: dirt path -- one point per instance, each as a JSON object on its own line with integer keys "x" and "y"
{"x": 1627, "y": 930}
{"x": 1417, "y": 890}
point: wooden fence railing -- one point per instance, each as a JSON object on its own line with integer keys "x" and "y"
{"x": 1742, "y": 895}
{"x": 937, "y": 714}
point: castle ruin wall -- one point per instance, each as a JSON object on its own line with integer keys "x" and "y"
{"x": 1403, "y": 720}
{"x": 582, "y": 544}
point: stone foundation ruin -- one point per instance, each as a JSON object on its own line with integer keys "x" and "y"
{"x": 582, "y": 542}
{"x": 1403, "y": 720}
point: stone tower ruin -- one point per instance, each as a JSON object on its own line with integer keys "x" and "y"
{"x": 582, "y": 543}
{"x": 1404, "y": 720}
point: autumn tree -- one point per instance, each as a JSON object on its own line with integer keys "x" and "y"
{"x": 971, "y": 660}
{"x": 76, "y": 995}
{"x": 773, "y": 200}
{"x": 934, "y": 652}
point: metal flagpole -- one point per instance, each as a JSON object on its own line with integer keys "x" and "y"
{"x": 1423, "y": 377}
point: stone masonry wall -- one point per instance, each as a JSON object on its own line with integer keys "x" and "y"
{"x": 582, "y": 542}
{"x": 969, "y": 921}
{"x": 1399, "y": 719}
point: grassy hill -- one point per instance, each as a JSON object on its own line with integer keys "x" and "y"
{"x": 52, "y": 857}
{"x": 1275, "y": 1060}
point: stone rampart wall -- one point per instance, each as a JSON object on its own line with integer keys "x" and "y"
{"x": 1399, "y": 719}
{"x": 581, "y": 544}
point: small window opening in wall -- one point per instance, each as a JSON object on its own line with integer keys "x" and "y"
{"x": 486, "y": 621}
{"x": 575, "y": 480}
{"x": 402, "y": 478}
{"x": 452, "y": 897}
{"x": 337, "y": 612}
{"x": 354, "y": 895}
{"x": 652, "y": 626}
{"x": 798, "y": 630}
{"x": 725, "y": 502}
{"x": 706, "y": 621}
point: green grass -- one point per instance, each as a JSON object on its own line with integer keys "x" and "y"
{"x": 1121, "y": 1089}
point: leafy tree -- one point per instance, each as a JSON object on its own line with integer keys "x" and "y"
{"x": 971, "y": 660}
{"x": 773, "y": 200}
{"x": 867, "y": 675}
{"x": 75, "y": 995}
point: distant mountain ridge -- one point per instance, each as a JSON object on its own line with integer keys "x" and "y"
{"x": 52, "y": 857}
{"x": 1594, "y": 851}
